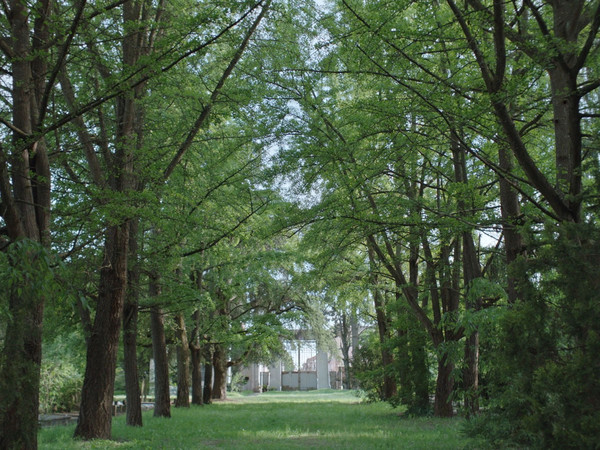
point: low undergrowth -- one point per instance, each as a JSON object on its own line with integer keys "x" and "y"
{"x": 275, "y": 420}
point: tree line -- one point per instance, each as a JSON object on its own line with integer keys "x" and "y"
{"x": 208, "y": 173}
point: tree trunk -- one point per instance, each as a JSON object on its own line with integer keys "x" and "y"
{"x": 444, "y": 387}
{"x": 511, "y": 216}
{"x": 196, "y": 350}
{"x": 403, "y": 359}
{"x": 196, "y": 356}
{"x": 449, "y": 295}
{"x": 355, "y": 345}
{"x": 471, "y": 271}
{"x": 220, "y": 373}
{"x": 403, "y": 364}
{"x": 417, "y": 345}
{"x": 162, "y": 400}
{"x": 183, "y": 363}
{"x": 130, "y": 318}
{"x": 416, "y": 337}
{"x": 134, "y": 46}
{"x": 344, "y": 333}
{"x": 208, "y": 376}
{"x": 95, "y": 413}
{"x": 389, "y": 384}
{"x": 20, "y": 375}
{"x": 25, "y": 213}
{"x": 471, "y": 374}
{"x": 133, "y": 393}
{"x": 387, "y": 358}
{"x": 567, "y": 135}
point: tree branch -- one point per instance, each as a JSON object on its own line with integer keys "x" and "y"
{"x": 60, "y": 61}
{"x": 13, "y": 128}
{"x": 225, "y": 234}
{"x": 585, "y": 51}
{"x": 215, "y": 94}
{"x": 499, "y": 44}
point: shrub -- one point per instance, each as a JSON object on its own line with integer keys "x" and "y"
{"x": 545, "y": 386}
{"x": 60, "y": 387}
{"x": 238, "y": 381}
{"x": 368, "y": 368}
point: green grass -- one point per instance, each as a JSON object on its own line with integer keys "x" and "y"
{"x": 275, "y": 420}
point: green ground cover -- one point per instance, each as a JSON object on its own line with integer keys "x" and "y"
{"x": 275, "y": 420}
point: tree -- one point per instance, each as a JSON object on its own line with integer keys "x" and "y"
{"x": 565, "y": 35}
{"x": 95, "y": 417}
{"x": 26, "y": 42}
{"x": 162, "y": 399}
{"x": 183, "y": 363}
{"x": 538, "y": 109}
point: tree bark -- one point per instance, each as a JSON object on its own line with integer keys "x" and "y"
{"x": 183, "y": 363}
{"x": 25, "y": 210}
{"x": 564, "y": 72}
{"x": 417, "y": 345}
{"x": 196, "y": 357}
{"x": 416, "y": 338}
{"x": 471, "y": 374}
{"x": 133, "y": 393}
{"x": 403, "y": 364}
{"x": 444, "y": 386}
{"x": 387, "y": 358}
{"x": 344, "y": 333}
{"x": 130, "y": 318}
{"x": 567, "y": 132}
{"x": 449, "y": 295}
{"x": 208, "y": 375}
{"x": 95, "y": 413}
{"x": 20, "y": 375}
{"x": 355, "y": 344}
{"x": 511, "y": 216}
{"x": 471, "y": 271}
{"x": 220, "y": 373}
{"x": 389, "y": 384}
{"x": 162, "y": 399}
{"x": 196, "y": 351}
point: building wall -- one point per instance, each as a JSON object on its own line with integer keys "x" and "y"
{"x": 318, "y": 371}
{"x": 276, "y": 383}
{"x": 304, "y": 381}
{"x": 323, "y": 371}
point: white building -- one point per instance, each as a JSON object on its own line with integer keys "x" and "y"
{"x": 310, "y": 369}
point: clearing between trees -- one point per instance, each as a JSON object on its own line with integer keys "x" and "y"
{"x": 325, "y": 418}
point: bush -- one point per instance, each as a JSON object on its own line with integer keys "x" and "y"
{"x": 238, "y": 381}
{"x": 545, "y": 386}
{"x": 61, "y": 375}
{"x": 368, "y": 368}
{"x": 409, "y": 370}
{"x": 60, "y": 387}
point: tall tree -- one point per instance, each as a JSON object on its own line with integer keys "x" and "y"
{"x": 183, "y": 363}
{"x": 95, "y": 417}
{"x": 31, "y": 53}
{"x": 562, "y": 57}
{"x": 97, "y": 393}
{"x": 162, "y": 399}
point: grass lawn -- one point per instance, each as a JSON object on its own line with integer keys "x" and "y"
{"x": 275, "y": 420}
